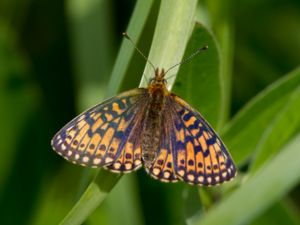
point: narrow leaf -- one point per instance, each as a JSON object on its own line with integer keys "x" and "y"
{"x": 279, "y": 131}
{"x": 282, "y": 212}
{"x": 173, "y": 29}
{"x": 135, "y": 28}
{"x": 268, "y": 185}
{"x": 243, "y": 133}
{"x": 91, "y": 198}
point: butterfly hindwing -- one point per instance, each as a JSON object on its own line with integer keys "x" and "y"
{"x": 100, "y": 135}
{"x": 200, "y": 157}
{"x": 162, "y": 168}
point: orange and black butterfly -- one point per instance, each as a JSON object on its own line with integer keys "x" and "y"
{"x": 148, "y": 127}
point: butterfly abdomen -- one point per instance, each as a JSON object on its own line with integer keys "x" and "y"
{"x": 152, "y": 126}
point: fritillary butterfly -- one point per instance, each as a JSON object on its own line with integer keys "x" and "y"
{"x": 148, "y": 127}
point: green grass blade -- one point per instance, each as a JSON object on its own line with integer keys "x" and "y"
{"x": 255, "y": 117}
{"x": 279, "y": 131}
{"x": 123, "y": 199}
{"x": 282, "y": 212}
{"x": 92, "y": 197}
{"x": 173, "y": 29}
{"x": 135, "y": 28}
{"x": 272, "y": 182}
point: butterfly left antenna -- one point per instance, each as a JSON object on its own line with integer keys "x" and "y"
{"x": 138, "y": 50}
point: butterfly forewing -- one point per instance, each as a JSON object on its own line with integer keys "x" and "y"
{"x": 130, "y": 153}
{"x": 199, "y": 155}
{"x": 105, "y": 134}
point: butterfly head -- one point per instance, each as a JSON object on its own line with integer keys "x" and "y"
{"x": 158, "y": 81}
{"x": 159, "y": 76}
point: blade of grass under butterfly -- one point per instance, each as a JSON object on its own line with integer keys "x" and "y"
{"x": 174, "y": 26}
{"x": 99, "y": 188}
{"x": 258, "y": 193}
{"x": 124, "y": 199}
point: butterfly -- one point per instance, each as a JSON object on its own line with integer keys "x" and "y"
{"x": 148, "y": 127}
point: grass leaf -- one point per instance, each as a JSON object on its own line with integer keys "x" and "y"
{"x": 135, "y": 28}
{"x": 256, "y": 116}
{"x": 260, "y": 191}
{"x": 282, "y": 212}
{"x": 279, "y": 131}
{"x": 173, "y": 29}
{"x": 91, "y": 198}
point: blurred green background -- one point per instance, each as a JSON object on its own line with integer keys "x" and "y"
{"x": 56, "y": 59}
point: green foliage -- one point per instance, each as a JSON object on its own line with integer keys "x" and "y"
{"x": 268, "y": 107}
{"x": 250, "y": 199}
{"x": 46, "y": 73}
{"x": 200, "y": 75}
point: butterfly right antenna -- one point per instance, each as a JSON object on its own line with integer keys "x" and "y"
{"x": 204, "y": 48}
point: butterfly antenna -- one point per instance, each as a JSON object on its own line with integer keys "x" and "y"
{"x": 169, "y": 77}
{"x": 138, "y": 50}
{"x": 202, "y": 49}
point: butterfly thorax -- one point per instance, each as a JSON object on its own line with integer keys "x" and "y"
{"x": 152, "y": 126}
